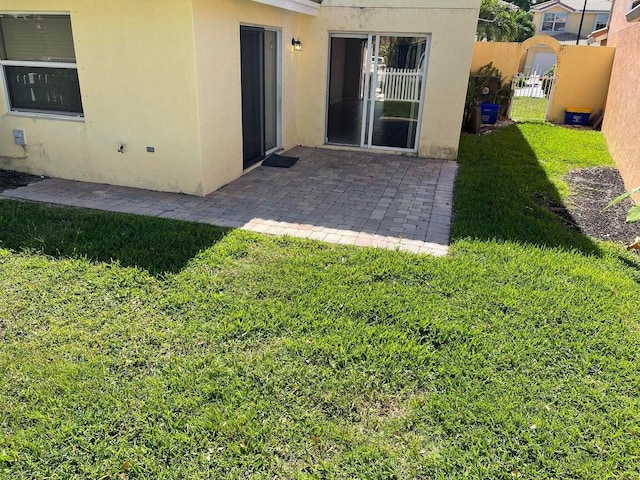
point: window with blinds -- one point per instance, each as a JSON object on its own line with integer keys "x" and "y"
{"x": 39, "y": 64}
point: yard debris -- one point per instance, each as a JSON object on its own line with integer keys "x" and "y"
{"x": 635, "y": 245}
{"x": 10, "y": 179}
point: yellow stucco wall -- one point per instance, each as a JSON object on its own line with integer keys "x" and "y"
{"x": 217, "y": 44}
{"x": 510, "y": 57}
{"x": 166, "y": 74}
{"x": 582, "y": 72}
{"x": 137, "y": 76}
{"x": 305, "y": 73}
{"x": 506, "y": 57}
{"x": 583, "y": 75}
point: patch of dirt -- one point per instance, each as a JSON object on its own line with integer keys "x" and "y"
{"x": 10, "y": 179}
{"x": 591, "y": 191}
{"x": 488, "y": 129}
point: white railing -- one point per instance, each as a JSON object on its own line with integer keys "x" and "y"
{"x": 401, "y": 84}
{"x": 533, "y": 86}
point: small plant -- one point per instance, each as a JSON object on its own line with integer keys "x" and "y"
{"x": 485, "y": 85}
{"x": 547, "y": 81}
{"x": 633, "y": 215}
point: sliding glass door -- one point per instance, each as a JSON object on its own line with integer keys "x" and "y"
{"x": 271, "y": 92}
{"x": 376, "y": 90}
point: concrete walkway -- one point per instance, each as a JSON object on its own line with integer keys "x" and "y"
{"x": 335, "y": 196}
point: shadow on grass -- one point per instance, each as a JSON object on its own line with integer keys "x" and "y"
{"x": 503, "y": 193}
{"x": 157, "y": 245}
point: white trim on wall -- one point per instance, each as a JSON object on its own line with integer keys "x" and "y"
{"x": 301, "y": 6}
{"x": 544, "y": 7}
{"x": 633, "y": 14}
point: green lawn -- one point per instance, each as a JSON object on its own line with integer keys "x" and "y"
{"x": 146, "y": 348}
{"x": 397, "y": 109}
{"x": 526, "y": 108}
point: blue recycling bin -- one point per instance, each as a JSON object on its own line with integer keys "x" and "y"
{"x": 577, "y": 116}
{"x": 489, "y": 113}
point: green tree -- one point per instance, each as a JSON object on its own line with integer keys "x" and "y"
{"x": 524, "y": 5}
{"x": 499, "y": 22}
{"x": 526, "y": 28}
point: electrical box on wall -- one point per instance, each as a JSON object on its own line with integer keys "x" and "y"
{"x": 18, "y": 137}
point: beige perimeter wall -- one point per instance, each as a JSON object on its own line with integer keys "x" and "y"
{"x": 582, "y": 72}
{"x": 166, "y": 74}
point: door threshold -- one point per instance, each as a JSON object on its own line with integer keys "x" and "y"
{"x": 258, "y": 164}
{"x": 382, "y": 150}
{"x": 254, "y": 166}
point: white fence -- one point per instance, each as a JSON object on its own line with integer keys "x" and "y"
{"x": 530, "y": 99}
{"x": 401, "y": 84}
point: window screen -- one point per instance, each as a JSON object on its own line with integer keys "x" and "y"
{"x": 28, "y": 46}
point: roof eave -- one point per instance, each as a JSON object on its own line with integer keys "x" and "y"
{"x": 599, "y": 35}
{"x": 307, "y": 7}
{"x": 543, "y": 8}
{"x": 633, "y": 15}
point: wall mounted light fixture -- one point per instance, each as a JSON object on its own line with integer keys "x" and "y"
{"x": 297, "y": 44}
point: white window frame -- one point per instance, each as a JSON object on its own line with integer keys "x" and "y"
{"x": 633, "y": 13}
{"x": 25, "y": 63}
{"x": 371, "y": 59}
{"x": 556, "y": 16}
{"x": 604, "y": 24}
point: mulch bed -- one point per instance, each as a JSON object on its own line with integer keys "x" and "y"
{"x": 591, "y": 191}
{"x": 10, "y": 179}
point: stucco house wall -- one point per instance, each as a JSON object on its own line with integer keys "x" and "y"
{"x": 573, "y": 23}
{"x": 621, "y": 126}
{"x": 136, "y": 67}
{"x": 217, "y": 46}
{"x": 166, "y": 74}
{"x": 448, "y": 68}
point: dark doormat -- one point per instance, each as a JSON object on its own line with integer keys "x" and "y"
{"x": 280, "y": 161}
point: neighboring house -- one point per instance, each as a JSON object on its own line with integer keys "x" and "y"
{"x": 561, "y": 19}
{"x": 187, "y": 95}
{"x": 621, "y": 125}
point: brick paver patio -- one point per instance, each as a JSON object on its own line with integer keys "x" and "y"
{"x": 355, "y": 198}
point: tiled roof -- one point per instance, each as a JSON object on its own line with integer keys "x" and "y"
{"x": 575, "y": 5}
{"x": 567, "y": 38}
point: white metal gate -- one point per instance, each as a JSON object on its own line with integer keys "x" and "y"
{"x": 531, "y": 95}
